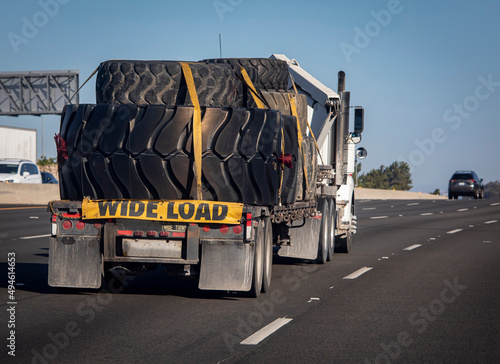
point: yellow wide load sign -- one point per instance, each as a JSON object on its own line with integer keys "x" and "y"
{"x": 179, "y": 210}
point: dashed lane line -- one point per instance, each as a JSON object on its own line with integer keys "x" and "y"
{"x": 34, "y": 237}
{"x": 460, "y": 210}
{"x": 454, "y": 231}
{"x": 427, "y": 214}
{"x": 359, "y": 272}
{"x": 413, "y": 204}
{"x": 379, "y": 217}
{"x": 495, "y": 204}
{"x": 414, "y": 246}
{"x": 491, "y": 222}
{"x": 266, "y": 331}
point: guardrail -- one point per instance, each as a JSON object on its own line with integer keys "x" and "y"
{"x": 41, "y": 194}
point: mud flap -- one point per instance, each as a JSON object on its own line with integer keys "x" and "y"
{"x": 75, "y": 262}
{"x": 303, "y": 240}
{"x": 226, "y": 265}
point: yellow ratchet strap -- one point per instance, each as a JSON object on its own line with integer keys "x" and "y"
{"x": 293, "y": 107}
{"x": 197, "y": 138}
{"x": 307, "y": 121}
{"x": 250, "y": 85}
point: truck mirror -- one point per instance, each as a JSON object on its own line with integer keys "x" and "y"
{"x": 359, "y": 120}
{"x": 361, "y": 153}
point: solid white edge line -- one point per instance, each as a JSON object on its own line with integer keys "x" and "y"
{"x": 454, "y": 231}
{"x": 414, "y": 246}
{"x": 359, "y": 272}
{"x": 490, "y": 222}
{"x": 379, "y": 217}
{"x": 35, "y": 236}
{"x": 267, "y": 330}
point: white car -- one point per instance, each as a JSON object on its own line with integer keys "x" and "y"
{"x": 19, "y": 171}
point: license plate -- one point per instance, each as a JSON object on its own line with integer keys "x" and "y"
{"x": 461, "y": 184}
{"x": 152, "y": 248}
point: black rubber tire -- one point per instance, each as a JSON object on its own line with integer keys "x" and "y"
{"x": 450, "y": 197}
{"x": 258, "y": 263}
{"x": 291, "y": 147}
{"x": 127, "y": 151}
{"x": 268, "y": 256}
{"x": 332, "y": 227}
{"x": 343, "y": 244}
{"x": 265, "y": 73}
{"x": 323, "y": 243}
{"x": 162, "y": 83}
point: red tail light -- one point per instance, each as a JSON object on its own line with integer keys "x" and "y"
{"x": 164, "y": 234}
{"x": 151, "y": 233}
{"x": 206, "y": 228}
{"x": 237, "y": 229}
{"x": 139, "y": 233}
{"x": 80, "y": 225}
{"x": 67, "y": 225}
{"x": 224, "y": 229}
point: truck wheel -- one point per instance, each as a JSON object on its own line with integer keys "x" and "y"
{"x": 323, "y": 244}
{"x": 331, "y": 230}
{"x": 268, "y": 256}
{"x": 162, "y": 83}
{"x": 258, "y": 263}
{"x": 343, "y": 244}
{"x": 265, "y": 73}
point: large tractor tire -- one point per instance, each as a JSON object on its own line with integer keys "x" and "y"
{"x": 280, "y": 101}
{"x": 265, "y": 73}
{"x": 163, "y": 83}
{"x": 126, "y": 151}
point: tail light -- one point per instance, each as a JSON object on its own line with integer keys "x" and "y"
{"x": 237, "y": 229}
{"x": 67, "y": 225}
{"x": 80, "y": 225}
{"x": 224, "y": 229}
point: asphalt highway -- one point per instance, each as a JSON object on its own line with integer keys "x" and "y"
{"x": 421, "y": 285}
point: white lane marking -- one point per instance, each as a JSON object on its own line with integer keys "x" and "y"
{"x": 34, "y": 217}
{"x": 414, "y": 246}
{"x": 413, "y": 204}
{"x": 313, "y": 299}
{"x": 267, "y": 330}
{"x": 454, "y": 231}
{"x": 379, "y": 217}
{"x": 385, "y": 257}
{"x": 462, "y": 210}
{"x": 487, "y": 241}
{"x": 427, "y": 214}
{"x": 491, "y": 222}
{"x": 359, "y": 272}
{"x": 35, "y": 236}
{"x": 432, "y": 238}
{"x": 495, "y": 204}
{"x": 369, "y": 208}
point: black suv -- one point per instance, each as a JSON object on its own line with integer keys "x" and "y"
{"x": 465, "y": 183}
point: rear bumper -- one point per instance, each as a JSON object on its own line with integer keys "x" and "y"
{"x": 462, "y": 191}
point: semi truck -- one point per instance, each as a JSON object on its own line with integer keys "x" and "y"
{"x": 207, "y": 168}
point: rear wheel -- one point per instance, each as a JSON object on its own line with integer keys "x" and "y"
{"x": 323, "y": 245}
{"x": 343, "y": 243}
{"x": 258, "y": 262}
{"x": 331, "y": 230}
{"x": 268, "y": 256}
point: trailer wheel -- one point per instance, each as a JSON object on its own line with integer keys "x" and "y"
{"x": 268, "y": 256}
{"x": 331, "y": 230}
{"x": 258, "y": 263}
{"x": 323, "y": 244}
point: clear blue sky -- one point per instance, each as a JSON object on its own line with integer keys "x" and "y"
{"x": 428, "y": 76}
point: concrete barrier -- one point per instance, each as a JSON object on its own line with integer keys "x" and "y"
{"x": 373, "y": 194}
{"x": 28, "y": 193}
{"x": 41, "y": 194}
